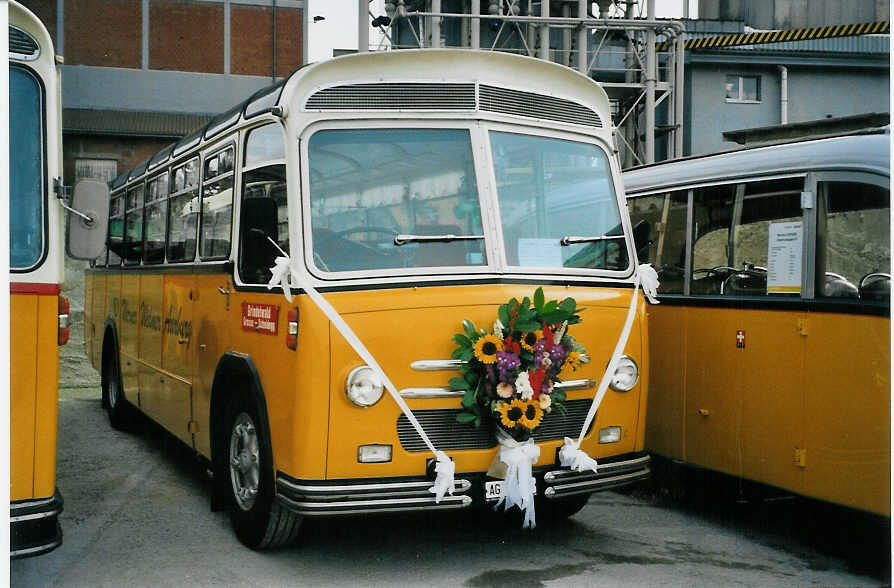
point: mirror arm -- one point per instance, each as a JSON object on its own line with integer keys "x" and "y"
{"x": 61, "y": 194}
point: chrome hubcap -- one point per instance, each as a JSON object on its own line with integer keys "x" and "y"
{"x": 245, "y": 464}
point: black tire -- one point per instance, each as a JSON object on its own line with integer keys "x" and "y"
{"x": 259, "y": 520}
{"x": 116, "y": 405}
{"x": 559, "y": 509}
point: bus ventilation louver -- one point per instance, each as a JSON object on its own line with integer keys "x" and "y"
{"x": 396, "y": 96}
{"x": 533, "y": 105}
{"x": 446, "y": 433}
{"x": 22, "y": 45}
{"x": 421, "y": 96}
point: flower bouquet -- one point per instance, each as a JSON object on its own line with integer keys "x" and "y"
{"x": 510, "y": 373}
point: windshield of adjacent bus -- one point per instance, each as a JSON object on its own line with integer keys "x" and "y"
{"x": 557, "y": 203}
{"x": 370, "y": 186}
{"x": 26, "y": 184}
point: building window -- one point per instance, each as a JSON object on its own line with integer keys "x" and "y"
{"x": 97, "y": 169}
{"x": 743, "y": 89}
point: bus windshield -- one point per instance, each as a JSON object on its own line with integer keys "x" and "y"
{"x": 369, "y": 186}
{"x": 557, "y": 203}
{"x": 26, "y": 242}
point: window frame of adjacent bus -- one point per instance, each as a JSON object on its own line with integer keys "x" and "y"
{"x": 474, "y": 129}
{"x": 44, "y": 191}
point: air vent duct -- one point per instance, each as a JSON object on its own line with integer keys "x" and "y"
{"x": 22, "y": 45}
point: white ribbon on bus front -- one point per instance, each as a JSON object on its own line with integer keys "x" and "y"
{"x": 518, "y": 486}
{"x": 285, "y": 274}
{"x": 571, "y": 455}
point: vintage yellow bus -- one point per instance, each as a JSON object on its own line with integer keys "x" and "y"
{"x": 38, "y": 313}
{"x": 410, "y": 191}
{"x": 770, "y": 349}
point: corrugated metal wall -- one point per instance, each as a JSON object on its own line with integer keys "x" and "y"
{"x": 793, "y": 14}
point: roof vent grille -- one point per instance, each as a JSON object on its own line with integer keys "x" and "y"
{"x": 394, "y": 96}
{"x": 532, "y": 105}
{"x": 22, "y": 45}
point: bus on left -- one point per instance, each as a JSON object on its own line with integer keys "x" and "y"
{"x": 38, "y": 313}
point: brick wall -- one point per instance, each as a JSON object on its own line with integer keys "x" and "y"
{"x": 104, "y": 33}
{"x": 186, "y": 36}
{"x": 251, "y": 46}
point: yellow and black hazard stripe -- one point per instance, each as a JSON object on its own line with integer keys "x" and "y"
{"x": 762, "y": 38}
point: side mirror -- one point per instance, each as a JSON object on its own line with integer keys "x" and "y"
{"x": 88, "y": 220}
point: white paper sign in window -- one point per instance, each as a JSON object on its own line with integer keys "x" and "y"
{"x": 784, "y": 258}
{"x": 539, "y": 252}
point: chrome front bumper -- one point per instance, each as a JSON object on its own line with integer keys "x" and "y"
{"x": 34, "y": 526}
{"x": 345, "y": 497}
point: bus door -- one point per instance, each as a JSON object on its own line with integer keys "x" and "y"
{"x": 849, "y": 426}
{"x": 743, "y": 371}
{"x": 178, "y": 348}
{"x": 129, "y": 299}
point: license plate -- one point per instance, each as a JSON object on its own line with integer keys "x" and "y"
{"x": 494, "y": 490}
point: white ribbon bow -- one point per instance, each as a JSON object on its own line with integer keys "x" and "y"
{"x": 445, "y": 469}
{"x": 648, "y": 279}
{"x": 281, "y": 275}
{"x": 571, "y": 455}
{"x": 518, "y": 485}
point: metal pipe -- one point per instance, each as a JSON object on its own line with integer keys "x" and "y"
{"x": 273, "y": 48}
{"x": 476, "y": 24}
{"x": 609, "y": 23}
{"x": 566, "y": 38}
{"x": 435, "y": 25}
{"x": 783, "y": 98}
{"x": 362, "y": 26}
{"x": 464, "y": 27}
{"x": 679, "y": 64}
{"x": 582, "y": 37}
{"x": 650, "y": 94}
{"x": 544, "y": 30}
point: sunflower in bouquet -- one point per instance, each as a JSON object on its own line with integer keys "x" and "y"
{"x": 509, "y": 374}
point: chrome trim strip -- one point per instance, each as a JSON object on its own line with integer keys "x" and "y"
{"x": 353, "y": 507}
{"x": 437, "y": 365}
{"x": 458, "y": 486}
{"x": 35, "y": 515}
{"x": 562, "y": 490}
{"x": 35, "y": 550}
{"x": 557, "y": 475}
{"x": 576, "y": 385}
{"x": 31, "y": 503}
{"x": 440, "y": 392}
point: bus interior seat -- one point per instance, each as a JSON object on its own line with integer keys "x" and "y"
{"x": 258, "y": 255}
{"x": 836, "y": 286}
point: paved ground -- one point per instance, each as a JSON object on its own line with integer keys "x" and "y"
{"x": 137, "y": 514}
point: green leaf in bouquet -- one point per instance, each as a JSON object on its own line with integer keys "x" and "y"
{"x": 503, "y": 314}
{"x": 550, "y": 306}
{"x": 568, "y": 305}
{"x": 462, "y": 340}
{"x": 471, "y": 377}
{"x": 466, "y": 417}
{"x": 555, "y": 317}
{"x": 469, "y": 328}
{"x": 538, "y": 299}
{"x": 527, "y": 325}
{"x": 459, "y": 384}
{"x": 469, "y": 399}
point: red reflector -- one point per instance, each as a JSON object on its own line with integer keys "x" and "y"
{"x": 292, "y": 329}
{"x": 64, "y": 308}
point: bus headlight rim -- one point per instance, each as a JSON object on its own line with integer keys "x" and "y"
{"x": 363, "y": 386}
{"x": 626, "y": 375}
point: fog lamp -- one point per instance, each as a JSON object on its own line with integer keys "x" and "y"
{"x": 364, "y": 386}
{"x": 374, "y": 453}
{"x": 610, "y": 435}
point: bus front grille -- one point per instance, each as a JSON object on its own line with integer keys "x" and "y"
{"x": 445, "y": 433}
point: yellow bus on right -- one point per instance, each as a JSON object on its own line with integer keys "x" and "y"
{"x": 770, "y": 350}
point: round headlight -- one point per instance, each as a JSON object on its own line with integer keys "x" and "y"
{"x": 364, "y": 386}
{"x": 626, "y": 375}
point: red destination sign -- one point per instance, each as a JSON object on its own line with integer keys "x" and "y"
{"x": 260, "y": 318}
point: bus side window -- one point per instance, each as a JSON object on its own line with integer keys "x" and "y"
{"x": 712, "y": 216}
{"x": 133, "y": 226}
{"x": 156, "y": 219}
{"x": 662, "y": 220}
{"x": 217, "y": 205}
{"x": 116, "y": 230}
{"x": 853, "y": 249}
{"x": 263, "y": 213}
{"x": 183, "y": 212}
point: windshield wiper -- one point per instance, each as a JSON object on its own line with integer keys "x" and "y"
{"x": 565, "y": 241}
{"x": 404, "y": 239}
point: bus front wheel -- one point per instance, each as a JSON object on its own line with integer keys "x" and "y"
{"x": 112, "y": 391}
{"x": 259, "y": 520}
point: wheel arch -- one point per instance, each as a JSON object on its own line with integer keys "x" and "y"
{"x": 238, "y": 368}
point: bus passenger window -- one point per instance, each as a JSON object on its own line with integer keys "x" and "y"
{"x": 853, "y": 249}
{"x": 116, "y": 230}
{"x": 264, "y": 213}
{"x": 156, "y": 220}
{"x": 183, "y": 212}
{"x": 662, "y": 221}
{"x": 712, "y": 214}
{"x": 217, "y": 205}
{"x": 133, "y": 226}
